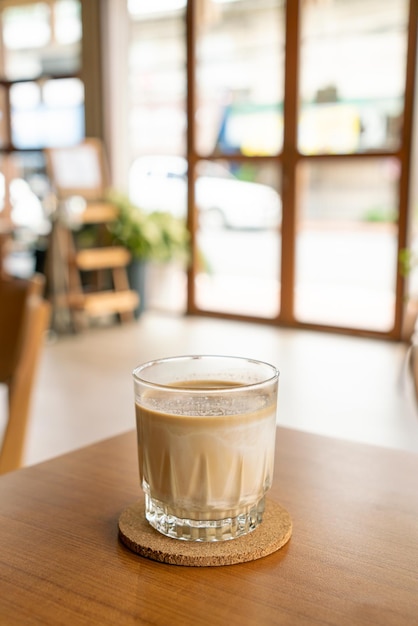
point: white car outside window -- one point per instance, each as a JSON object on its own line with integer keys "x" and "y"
{"x": 159, "y": 183}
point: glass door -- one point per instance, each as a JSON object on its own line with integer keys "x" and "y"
{"x": 238, "y": 137}
{"x": 282, "y": 132}
{"x": 351, "y": 111}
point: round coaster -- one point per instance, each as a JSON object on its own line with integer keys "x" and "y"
{"x": 138, "y": 535}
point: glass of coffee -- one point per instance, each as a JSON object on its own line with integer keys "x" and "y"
{"x": 206, "y": 430}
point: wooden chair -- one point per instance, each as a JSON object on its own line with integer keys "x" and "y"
{"x": 24, "y": 319}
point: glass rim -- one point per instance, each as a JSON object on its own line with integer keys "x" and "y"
{"x": 239, "y": 386}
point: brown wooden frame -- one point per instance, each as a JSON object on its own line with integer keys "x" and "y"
{"x": 289, "y": 160}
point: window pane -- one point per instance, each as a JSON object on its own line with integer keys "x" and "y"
{"x": 237, "y": 240}
{"x": 157, "y": 128}
{"x": 34, "y": 45}
{"x": 47, "y": 117}
{"x": 64, "y": 93}
{"x": 145, "y": 7}
{"x": 159, "y": 183}
{"x": 67, "y": 21}
{"x": 28, "y": 186}
{"x": 353, "y": 60}
{"x": 240, "y": 77}
{"x": 157, "y": 68}
{"x": 27, "y": 26}
{"x": 347, "y": 243}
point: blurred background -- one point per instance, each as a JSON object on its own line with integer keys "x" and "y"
{"x": 284, "y": 134}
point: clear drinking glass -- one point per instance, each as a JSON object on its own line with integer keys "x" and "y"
{"x": 206, "y": 436}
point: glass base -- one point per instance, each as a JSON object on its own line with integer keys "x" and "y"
{"x": 206, "y": 530}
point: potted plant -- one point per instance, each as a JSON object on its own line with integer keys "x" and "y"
{"x": 158, "y": 237}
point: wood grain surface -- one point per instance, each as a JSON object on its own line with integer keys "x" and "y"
{"x": 352, "y": 558}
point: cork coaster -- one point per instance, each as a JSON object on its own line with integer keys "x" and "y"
{"x": 137, "y": 534}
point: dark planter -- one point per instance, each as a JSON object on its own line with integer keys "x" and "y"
{"x": 137, "y": 271}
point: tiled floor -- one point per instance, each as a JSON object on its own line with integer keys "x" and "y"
{"x": 330, "y": 384}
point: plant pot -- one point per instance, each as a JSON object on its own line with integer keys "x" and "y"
{"x": 137, "y": 276}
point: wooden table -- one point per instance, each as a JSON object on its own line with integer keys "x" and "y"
{"x": 352, "y": 559}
